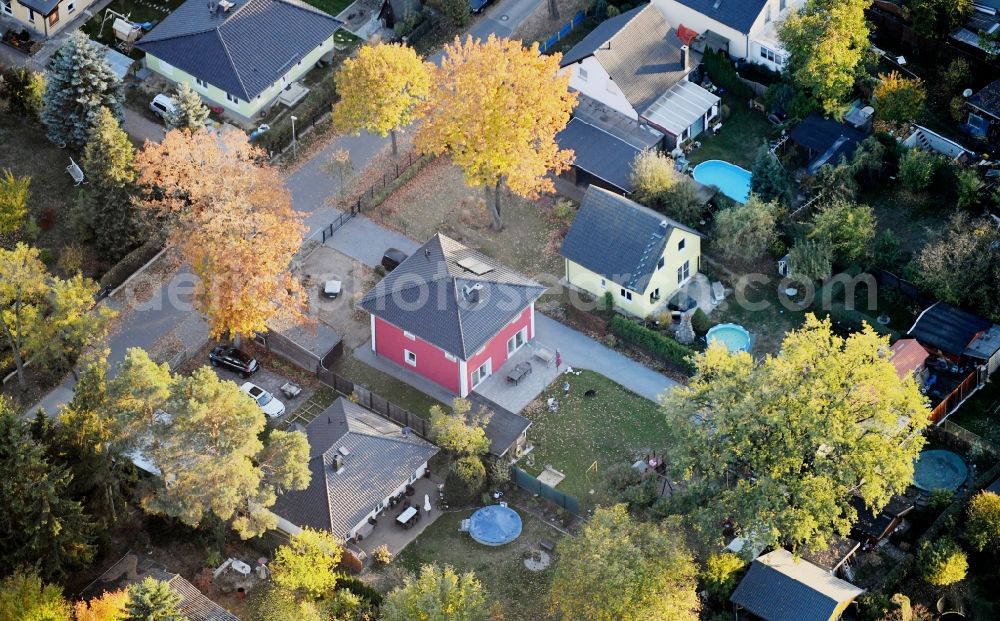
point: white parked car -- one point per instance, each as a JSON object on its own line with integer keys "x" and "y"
{"x": 162, "y": 105}
{"x": 265, "y": 400}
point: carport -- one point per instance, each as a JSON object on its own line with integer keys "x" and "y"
{"x": 312, "y": 346}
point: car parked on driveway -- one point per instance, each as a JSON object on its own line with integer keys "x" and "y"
{"x": 229, "y": 357}
{"x": 265, "y": 400}
{"x": 392, "y": 258}
{"x": 162, "y": 105}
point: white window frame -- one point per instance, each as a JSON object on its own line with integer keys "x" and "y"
{"x": 768, "y": 54}
{"x": 409, "y": 335}
{"x": 488, "y": 366}
{"x": 683, "y": 272}
{"x": 582, "y": 73}
{"x": 654, "y": 295}
{"x": 8, "y": 6}
{"x": 232, "y": 98}
{"x": 513, "y": 345}
{"x": 681, "y": 244}
{"x": 604, "y": 284}
{"x": 31, "y": 15}
{"x": 450, "y": 357}
{"x": 611, "y": 87}
{"x": 661, "y": 263}
{"x": 201, "y": 83}
{"x": 410, "y": 357}
{"x": 625, "y": 293}
{"x": 71, "y": 8}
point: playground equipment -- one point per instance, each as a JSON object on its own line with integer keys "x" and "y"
{"x": 126, "y": 32}
{"x": 75, "y": 171}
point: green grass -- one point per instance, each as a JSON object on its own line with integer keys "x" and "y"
{"x": 768, "y": 325}
{"x": 500, "y": 569}
{"x": 981, "y": 413}
{"x": 742, "y": 133}
{"x": 611, "y": 427}
{"x": 333, "y": 7}
{"x": 384, "y": 385}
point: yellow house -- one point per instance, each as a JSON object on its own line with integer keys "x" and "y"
{"x": 45, "y": 17}
{"x": 239, "y": 54}
{"x": 640, "y": 256}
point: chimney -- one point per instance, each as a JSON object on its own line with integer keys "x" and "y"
{"x": 472, "y": 293}
{"x": 337, "y": 463}
{"x": 684, "y": 56}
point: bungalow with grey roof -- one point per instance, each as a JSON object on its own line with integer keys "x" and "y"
{"x": 239, "y": 54}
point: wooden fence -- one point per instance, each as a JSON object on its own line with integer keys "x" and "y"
{"x": 380, "y": 405}
{"x": 950, "y": 403}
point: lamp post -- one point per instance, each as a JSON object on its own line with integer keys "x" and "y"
{"x": 295, "y": 152}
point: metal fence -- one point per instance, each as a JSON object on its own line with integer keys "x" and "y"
{"x": 381, "y": 406}
{"x": 567, "y": 28}
{"x": 527, "y": 482}
{"x": 970, "y": 438}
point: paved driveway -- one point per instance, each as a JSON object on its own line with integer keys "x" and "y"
{"x": 581, "y": 351}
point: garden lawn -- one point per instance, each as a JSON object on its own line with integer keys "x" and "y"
{"x": 742, "y": 133}
{"x": 332, "y": 7}
{"x": 385, "y": 386}
{"x": 437, "y": 199}
{"x": 767, "y": 326}
{"x": 981, "y": 413}
{"x": 500, "y": 569}
{"x": 613, "y": 426}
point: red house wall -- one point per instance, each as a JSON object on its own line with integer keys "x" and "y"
{"x": 496, "y": 348}
{"x": 431, "y": 362}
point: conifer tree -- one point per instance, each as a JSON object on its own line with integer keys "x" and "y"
{"x": 153, "y": 600}
{"x": 189, "y": 111}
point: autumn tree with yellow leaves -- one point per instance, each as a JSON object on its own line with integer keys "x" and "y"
{"x": 380, "y": 90}
{"x": 495, "y": 108}
{"x": 230, "y": 215}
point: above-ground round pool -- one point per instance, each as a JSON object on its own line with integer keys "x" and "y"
{"x": 939, "y": 469}
{"x": 733, "y": 337}
{"x": 731, "y": 180}
{"x": 495, "y": 525}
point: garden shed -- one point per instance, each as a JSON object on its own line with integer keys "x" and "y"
{"x": 312, "y": 346}
{"x": 823, "y": 141}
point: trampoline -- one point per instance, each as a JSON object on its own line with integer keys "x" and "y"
{"x": 939, "y": 469}
{"x": 495, "y": 525}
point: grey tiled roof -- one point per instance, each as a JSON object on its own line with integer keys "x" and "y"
{"x": 380, "y": 459}
{"x": 987, "y": 99}
{"x": 618, "y": 238}
{"x": 950, "y": 329}
{"x": 426, "y": 296}
{"x": 599, "y": 153}
{"x": 43, "y": 7}
{"x": 503, "y": 428}
{"x": 195, "y": 605}
{"x": 737, "y": 14}
{"x": 639, "y": 50}
{"x": 244, "y": 50}
{"x": 779, "y": 588}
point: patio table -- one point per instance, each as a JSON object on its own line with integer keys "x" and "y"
{"x": 404, "y": 517}
{"x": 519, "y": 371}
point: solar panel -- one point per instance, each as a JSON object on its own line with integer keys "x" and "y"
{"x": 475, "y": 266}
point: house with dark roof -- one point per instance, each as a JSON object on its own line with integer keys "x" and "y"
{"x": 870, "y": 528}
{"x": 451, "y": 314}
{"x": 637, "y": 65}
{"x": 638, "y": 255}
{"x": 239, "y": 54}
{"x": 959, "y": 336}
{"x": 822, "y": 141}
{"x": 358, "y": 461}
{"x": 780, "y": 587}
{"x": 131, "y": 568}
{"x": 746, "y": 29}
{"x": 46, "y": 18}
{"x": 984, "y": 116}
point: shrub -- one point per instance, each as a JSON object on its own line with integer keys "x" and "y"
{"x": 720, "y": 575}
{"x": 769, "y": 179}
{"x": 940, "y": 498}
{"x": 700, "y": 322}
{"x": 382, "y": 555}
{"x": 968, "y": 187}
{"x": 916, "y": 169}
{"x": 942, "y": 562}
{"x": 360, "y": 588}
{"x": 470, "y": 471}
{"x": 721, "y": 71}
{"x": 115, "y": 276}
{"x": 983, "y": 526}
{"x": 811, "y": 259}
{"x": 653, "y": 343}
{"x": 847, "y": 228}
{"x": 653, "y": 173}
{"x": 613, "y": 11}
{"x": 499, "y": 473}
{"x": 745, "y": 232}
{"x": 563, "y": 211}
{"x": 898, "y": 100}
{"x": 608, "y": 303}
{"x": 610, "y": 341}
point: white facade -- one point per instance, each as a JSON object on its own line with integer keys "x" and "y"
{"x": 590, "y": 79}
{"x": 760, "y": 44}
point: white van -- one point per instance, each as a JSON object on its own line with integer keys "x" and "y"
{"x": 161, "y": 105}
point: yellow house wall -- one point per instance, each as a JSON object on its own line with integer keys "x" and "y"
{"x": 40, "y": 23}
{"x": 244, "y": 109}
{"x": 664, "y": 278}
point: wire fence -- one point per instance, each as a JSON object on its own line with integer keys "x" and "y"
{"x": 527, "y": 482}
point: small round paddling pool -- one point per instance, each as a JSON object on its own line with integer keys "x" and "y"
{"x": 732, "y": 336}
{"x": 495, "y": 525}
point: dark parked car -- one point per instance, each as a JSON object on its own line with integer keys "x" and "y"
{"x": 392, "y": 258}
{"x": 231, "y": 358}
{"x": 477, "y": 6}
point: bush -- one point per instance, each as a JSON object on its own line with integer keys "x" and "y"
{"x": 118, "y": 274}
{"x": 653, "y": 343}
{"x": 940, "y": 498}
{"x": 722, "y": 73}
{"x": 471, "y": 472}
{"x": 744, "y": 232}
{"x": 700, "y": 322}
{"x": 721, "y": 574}
{"x": 382, "y": 555}
{"x": 360, "y": 588}
{"x": 608, "y": 302}
{"x": 916, "y": 169}
{"x": 757, "y": 72}
{"x": 898, "y": 100}
{"x": 653, "y": 173}
{"x": 968, "y": 187}
{"x": 983, "y": 526}
{"x": 942, "y": 563}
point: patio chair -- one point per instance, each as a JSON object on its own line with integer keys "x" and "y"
{"x": 464, "y": 526}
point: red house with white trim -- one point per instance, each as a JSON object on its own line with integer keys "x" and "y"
{"x": 451, "y": 314}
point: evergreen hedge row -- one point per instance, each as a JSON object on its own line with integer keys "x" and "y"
{"x": 653, "y": 343}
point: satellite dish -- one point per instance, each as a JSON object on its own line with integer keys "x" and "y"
{"x": 967, "y": 93}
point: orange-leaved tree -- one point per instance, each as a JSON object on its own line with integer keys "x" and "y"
{"x": 495, "y": 107}
{"x": 108, "y": 607}
{"x": 380, "y": 90}
{"x": 230, "y": 215}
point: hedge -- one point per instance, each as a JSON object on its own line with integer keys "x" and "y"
{"x": 722, "y": 73}
{"x": 361, "y": 589}
{"x": 131, "y": 262}
{"x": 653, "y": 343}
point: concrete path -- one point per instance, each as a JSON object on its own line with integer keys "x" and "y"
{"x": 580, "y": 351}
{"x": 140, "y": 128}
{"x": 504, "y": 18}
